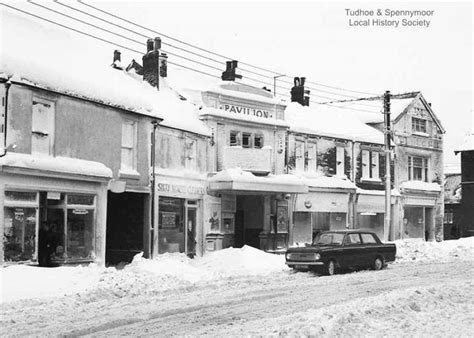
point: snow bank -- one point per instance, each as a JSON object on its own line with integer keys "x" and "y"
{"x": 418, "y": 250}
{"x": 396, "y": 313}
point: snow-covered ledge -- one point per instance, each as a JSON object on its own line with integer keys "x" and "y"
{"x": 63, "y": 165}
{"x": 420, "y": 185}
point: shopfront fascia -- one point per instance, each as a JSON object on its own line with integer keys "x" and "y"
{"x": 319, "y": 210}
{"x": 253, "y": 212}
{"x": 178, "y": 215}
{"x": 73, "y": 205}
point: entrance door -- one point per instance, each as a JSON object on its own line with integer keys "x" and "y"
{"x": 239, "y": 238}
{"x": 191, "y": 225}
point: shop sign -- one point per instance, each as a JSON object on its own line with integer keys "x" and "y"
{"x": 180, "y": 188}
{"x": 246, "y": 111}
{"x": 54, "y": 195}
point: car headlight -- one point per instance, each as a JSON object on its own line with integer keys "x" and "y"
{"x": 317, "y": 256}
{"x": 288, "y": 256}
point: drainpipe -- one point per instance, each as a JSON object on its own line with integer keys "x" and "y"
{"x": 153, "y": 248}
{"x": 7, "y": 87}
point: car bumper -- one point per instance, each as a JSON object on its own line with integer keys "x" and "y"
{"x": 303, "y": 263}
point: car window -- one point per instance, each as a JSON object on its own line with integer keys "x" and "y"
{"x": 329, "y": 238}
{"x": 368, "y": 239}
{"x": 352, "y": 239}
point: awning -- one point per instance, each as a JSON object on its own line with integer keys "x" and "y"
{"x": 371, "y": 203}
{"x": 323, "y": 202}
{"x": 237, "y": 180}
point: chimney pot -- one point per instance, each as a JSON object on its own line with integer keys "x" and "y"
{"x": 299, "y": 93}
{"x": 157, "y": 43}
{"x": 117, "y": 55}
{"x": 149, "y": 45}
{"x": 230, "y": 72}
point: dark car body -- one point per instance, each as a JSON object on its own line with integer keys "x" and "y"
{"x": 333, "y": 250}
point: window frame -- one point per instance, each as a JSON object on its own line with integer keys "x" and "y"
{"x": 424, "y": 168}
{"x": 131, "y": 148}
{"x": 418, "y": 125}
{"x": 237, "y": 138}
{"x": 246, "y": 135}
{"x": 48, "y": 134}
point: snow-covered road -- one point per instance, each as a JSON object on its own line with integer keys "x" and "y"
{"x": 418, "y": 296}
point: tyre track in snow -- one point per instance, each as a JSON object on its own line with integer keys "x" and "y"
{"x": 214, "y": 307}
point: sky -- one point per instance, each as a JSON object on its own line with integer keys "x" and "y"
{"x": 314, "y": 39}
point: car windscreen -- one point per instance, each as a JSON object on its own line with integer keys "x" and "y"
{"x": 329, "y": 238}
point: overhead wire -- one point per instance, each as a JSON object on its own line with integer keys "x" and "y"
{"x": 139, "y": 52}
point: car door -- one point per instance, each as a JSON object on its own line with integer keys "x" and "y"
{"x": 370, "y": 248}
{"x": 352, "y": 250}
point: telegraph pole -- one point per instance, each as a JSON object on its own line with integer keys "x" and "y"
{"x": 387, "y": 132}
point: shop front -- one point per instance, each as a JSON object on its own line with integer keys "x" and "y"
{"x": 56, "y": 206}
{"x": 419, "y": 216}
{"x": 320, "y": 210}
{"x": 179, "y": 206}
{"x": 254, "y": 209}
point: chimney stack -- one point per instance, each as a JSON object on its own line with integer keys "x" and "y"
{"x": 298, "y": 93}
{"x": 230, "y": 73}
{"x": 117, "y": 63}
{"x": 151, "y": 62}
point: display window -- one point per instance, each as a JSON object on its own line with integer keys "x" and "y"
{"x": 20, "y": 220}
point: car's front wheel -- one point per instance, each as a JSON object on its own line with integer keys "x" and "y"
{"x": 378, "y": 264}
{"x": 331, "y": 268}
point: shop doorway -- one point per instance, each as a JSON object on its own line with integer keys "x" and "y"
{"x": 125, "y": 224}
{"x": 191, "y": 221}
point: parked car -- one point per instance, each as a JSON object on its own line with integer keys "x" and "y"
{"x": 335, "y": 250}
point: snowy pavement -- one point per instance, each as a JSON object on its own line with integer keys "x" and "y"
{"x": 429, "y": 290}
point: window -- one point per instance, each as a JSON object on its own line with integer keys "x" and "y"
{"x": 246, "y": 140}
{"x": 42, "y": 127}
{"x": 191, "y": 154}
{"x": 129, "y": 144}
{"x": 418, "y": 125}
{"x": 339, "y": 161}
{"x": 448, "y": 216}
{"x": 311, "y": 156}
{"x": 370, "y": 164}
{"x": 352, "y": 239}
{"x": 417, "y": 168}
{"x": 258, "y": 141}
{"x": 368, "y": 239}
{"x": 234, "y": 138}
{"x": 299, "y": 156}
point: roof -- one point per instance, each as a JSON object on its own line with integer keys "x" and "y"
{"x": 467, "y": 145}
{"x": 398, "y": 106}
{"x": 54, "y": 60}
{"x": 330, "y": 122}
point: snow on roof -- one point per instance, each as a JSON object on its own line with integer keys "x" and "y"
{"x": 393, "y": 192}
{"x": 41, "y": 55}
{"x": 192, "y": 85}
{"x": 237, "y": 174}
{"x": 331, "y": 122}
{"x": 420, "y": 185}
{"x": 467, "y": 145}
{"x": 56, "y": 164}
{"x": 320, "y": 180}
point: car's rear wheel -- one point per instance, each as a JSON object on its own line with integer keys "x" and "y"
{"x": 331, "y": 268}
{"x": 378, "y": 264}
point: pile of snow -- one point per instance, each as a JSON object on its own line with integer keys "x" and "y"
{"x": 418, "y": 250}
{"x": 239, "y": 175}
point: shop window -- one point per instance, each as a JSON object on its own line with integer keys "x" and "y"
{"x": 418, "y": 125}
{"x": 311, "y": 156}
{"x": 80, "y": 226}
{"x": 129, "y": 145}
{"x": 258, "y": 141}
{"x": 42, "y": 127}
{"x": 417, "y": 168}
{"x": 171, "y": 225}
{"x": 370, "y": 165}
{"x": 191, "y": 154}
{"x": 234, "y": 138}
{"x": 340, "y": 161}
{"x": 19, "y": 237}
